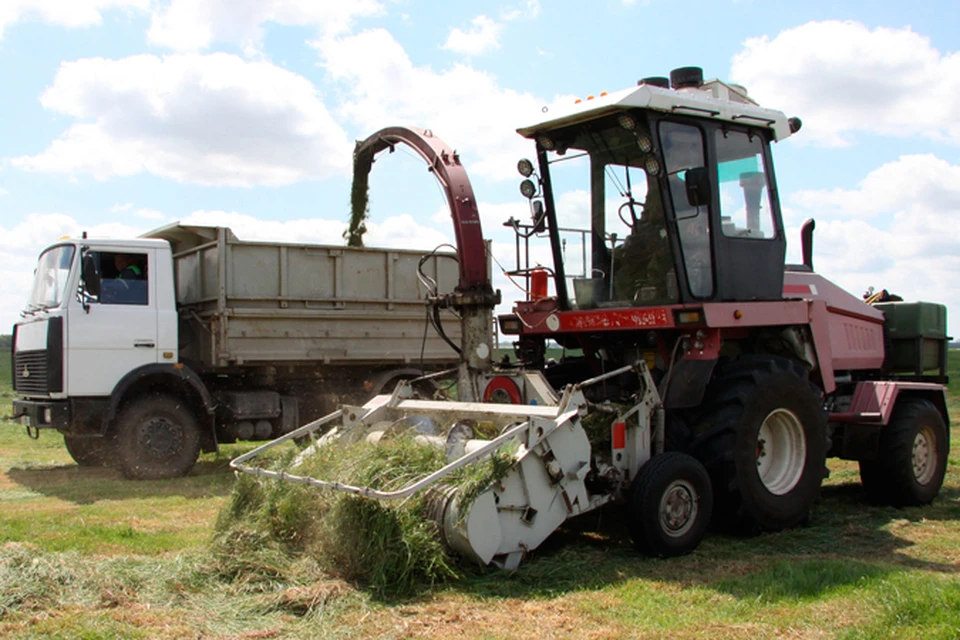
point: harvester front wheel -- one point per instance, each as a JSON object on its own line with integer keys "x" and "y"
{"x": 763, "y": 441}
{"x": 912, "y": 459}
{"x": 88, "y": 452}
{"x": 670, "y": 505}
{"x": 157, "y": 437}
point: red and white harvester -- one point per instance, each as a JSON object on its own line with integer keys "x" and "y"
{"x": 729, "y": 376}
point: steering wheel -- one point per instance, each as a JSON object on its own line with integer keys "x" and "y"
{"x": 631, "y": 203}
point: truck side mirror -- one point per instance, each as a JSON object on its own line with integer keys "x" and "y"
{"x": 90, "y": 272}
{"x": 698, "y": 187}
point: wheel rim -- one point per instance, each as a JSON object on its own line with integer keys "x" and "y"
{"x": 161, "y": 438}
{"x": 924, "y": 456}
{"x": 678, "y": 508}
{"x": 781, "y": 451}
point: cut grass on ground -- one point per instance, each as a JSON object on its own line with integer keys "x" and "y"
{"x": 84, "y": 553}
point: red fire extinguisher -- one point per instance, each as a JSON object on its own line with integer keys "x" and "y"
{"x": 538, "y": 284}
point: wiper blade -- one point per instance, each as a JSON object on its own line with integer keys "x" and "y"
{"x": 33, "y": 308}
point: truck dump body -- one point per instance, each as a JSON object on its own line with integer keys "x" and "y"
{"x": 267, "y": 303}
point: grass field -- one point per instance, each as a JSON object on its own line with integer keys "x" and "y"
{"x": 86, "y": 554}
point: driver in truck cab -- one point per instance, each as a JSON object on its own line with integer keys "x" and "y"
{"x": 127, "y": 269}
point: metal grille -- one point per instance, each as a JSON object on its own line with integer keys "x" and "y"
{"x": 30, "y": 371}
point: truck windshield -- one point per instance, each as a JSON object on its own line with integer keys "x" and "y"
{"x": 50, "y": 279}
{"x": 606, "y": 180}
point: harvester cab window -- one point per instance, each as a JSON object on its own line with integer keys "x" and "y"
{"x": 628, "y": 212}
{"x": 634, "y": 220}
{"x": 603, "y": 175}
{"x": 744, "y": 197}
{"x": 684, "y": 155}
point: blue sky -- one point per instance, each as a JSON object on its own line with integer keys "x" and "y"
{"x": 119, "y": 116}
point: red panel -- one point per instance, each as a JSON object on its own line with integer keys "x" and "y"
{"x": 506, "y": 385}
{"x": 799, "y": 290}
{"x": 756, "y": 314}
{"x": 619, "y": 435}
{"x": 615, "y": 319}
{"x": 705, "y": 348}
{"x": 880, "y": 397}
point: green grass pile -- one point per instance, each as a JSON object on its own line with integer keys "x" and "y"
{"x": 269, "y": 527}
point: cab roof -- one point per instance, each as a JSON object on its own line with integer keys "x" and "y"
{"x": 713, "y": 100}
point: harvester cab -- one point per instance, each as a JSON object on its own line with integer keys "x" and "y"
{"x": 682, "y": 204}
{"x": 682, "y": 207}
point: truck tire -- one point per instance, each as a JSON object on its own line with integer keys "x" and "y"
{"x": 763, "y": 439}
{"x": 157, "y": 437}
{"x": 912, "y": 459}
{"x": 89, "y": 452}
{"x": 670, "y": 505}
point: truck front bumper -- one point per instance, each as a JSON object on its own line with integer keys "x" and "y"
{"x": 42, "y": 414}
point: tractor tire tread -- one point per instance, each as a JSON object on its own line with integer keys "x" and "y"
{"x": 890, "y": 479}
{"x": 736, "y": 390}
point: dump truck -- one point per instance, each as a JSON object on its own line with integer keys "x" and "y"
{"x": 144, "y": 352}
{"x": 728, "y": 377}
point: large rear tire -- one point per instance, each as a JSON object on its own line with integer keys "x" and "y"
{"x": 763, "y": 440}
{"x": 670, "y": 505}
{"x": 157, "y": 437}
{"x": 90, "y": 451}
{"x": 912, "y": 459}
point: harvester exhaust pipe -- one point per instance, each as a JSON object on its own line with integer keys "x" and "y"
{"x": 806, "y": 241}
{"x": 684, "y": 77}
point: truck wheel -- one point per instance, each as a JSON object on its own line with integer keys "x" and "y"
{"x": 912, "y": 458}
{"x": 763, "y": 440}
{"x": 89, "y": 452}
{"x": 670, "y": 505}
{"x": 157, "y": 437}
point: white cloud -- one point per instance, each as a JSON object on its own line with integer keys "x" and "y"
{"x": 213, "y": 120}
{"x": 483, "y": 36}
{"x": 404, "y": 232}
{"x": 896, "y": 230}
{"x": 64, "y": 13}
{"x": 395, "y": 232}
{"x": 150, "y": 214}
{"x": 913, "y": 184}
{"x": 529, "y": 9}
{"x": 841, "y": 78}
{"x": 467, "y": 108}
{"x": 192, "y": 25}
{"x": 484, "y": 33}
{"x": 247, "y": 227}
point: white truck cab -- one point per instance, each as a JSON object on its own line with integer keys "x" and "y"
{"x": 86, "y": 324}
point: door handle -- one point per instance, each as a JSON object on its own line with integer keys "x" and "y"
{"x": 145, "y": 345}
